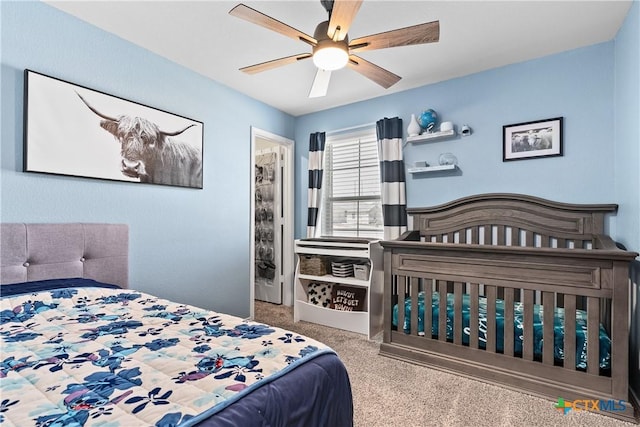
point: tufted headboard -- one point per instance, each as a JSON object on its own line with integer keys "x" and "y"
{"x": 30, "y": 252}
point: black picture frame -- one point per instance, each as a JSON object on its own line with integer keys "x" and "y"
{"x": 528, "y": 140}
{"x": 77, "y": 131}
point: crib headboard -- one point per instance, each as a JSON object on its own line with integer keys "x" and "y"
{"x": 513, "y": 220}
{"x": 30, "y": 252}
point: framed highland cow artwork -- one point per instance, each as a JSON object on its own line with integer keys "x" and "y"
{"x": 76, "y": 131}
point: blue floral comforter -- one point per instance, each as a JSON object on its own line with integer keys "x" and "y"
{"x": 77, "y": 356}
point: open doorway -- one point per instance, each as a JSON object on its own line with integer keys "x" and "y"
{"x": 271, "y": 269}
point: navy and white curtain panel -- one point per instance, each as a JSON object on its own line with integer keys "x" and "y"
{"x": 392, "y": 177}
{"x": 316, "y": 166}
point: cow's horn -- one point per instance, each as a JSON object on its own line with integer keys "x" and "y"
{"x": 177, "y": 132}
{"x": 96, "y": 111}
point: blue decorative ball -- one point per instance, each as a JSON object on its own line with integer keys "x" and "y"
{"x": 428, "y": 119}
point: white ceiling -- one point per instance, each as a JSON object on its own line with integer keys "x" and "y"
{"x": 474, "y": 36}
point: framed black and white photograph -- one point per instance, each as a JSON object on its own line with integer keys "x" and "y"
{"x": 76, "y": 131}
{"x": 542, "y": 138}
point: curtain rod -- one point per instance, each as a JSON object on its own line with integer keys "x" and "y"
{"x": 331, "y": 132}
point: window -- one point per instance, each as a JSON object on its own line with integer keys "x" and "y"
{"x": 351, "y": 203}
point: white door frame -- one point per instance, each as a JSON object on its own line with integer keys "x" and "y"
{"x": 288, "y": 193}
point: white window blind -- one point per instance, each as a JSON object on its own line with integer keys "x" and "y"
{"x": 351, "y": 205}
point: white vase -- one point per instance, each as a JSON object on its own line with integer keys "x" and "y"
{"x": 414, "y": 128}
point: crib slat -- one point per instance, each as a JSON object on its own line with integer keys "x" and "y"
{"x": 593, "y": 339}
{"x": 528, "y": 236}
{"x": 462, "y": 236}
{"x": 473, "y": 316}
{"x": 491, "y": 318}
{"x": 527, "y": 333}
{"x": 561, "y": 243}
{"x": 545, "y": 241}
{"x": 547, "y": 328}
{"x": 508, "y": 322}
{"x": 414, "y": 306}
{"x": 488, "y": 235}
{"x": 457, "y": 310}
{"x": 501, "y": 235}
{"x": 450, "y": 238}
{"x": 428, "y": 309}
{"x": 442, "y": 311}
{"x": 474, "y": 235}
{"x": 515, "y": 236}
{"x": 402, "y": 288}
{"x": 570, "y": 332}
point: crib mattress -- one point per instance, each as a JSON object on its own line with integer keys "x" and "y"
{"x": 558, "y": 322}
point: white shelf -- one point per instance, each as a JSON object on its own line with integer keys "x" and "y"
{"x": 333, "y": 248}
{"x": 432, "y": 169}
{"x": 432, "y": 136}
{"x": 340, "y": 252}
{"x": 369, "y": 321}
{"x": 333, "y": 279}
{"x": 336, "y": 243}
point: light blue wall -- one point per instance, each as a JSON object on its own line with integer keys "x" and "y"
{"x": 627, "y": 128}
{"x": 188, "y": 245}
{"x": 627, "y": 163}
{"x": 577, "y": 85}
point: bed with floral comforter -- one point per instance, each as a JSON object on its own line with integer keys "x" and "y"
{"x": 99, "y": 355}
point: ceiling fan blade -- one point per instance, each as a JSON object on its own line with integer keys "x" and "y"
{"x": 264, "y": 66}
{"x": 428, "y": 32}
{"x": 320, "y": 83}
{"x": 248, "y": 14}
{"x": 384, "y": 78}
{"x": 342, "y": 15}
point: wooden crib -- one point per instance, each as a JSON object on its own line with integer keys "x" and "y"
{"x": 509, "y": 250}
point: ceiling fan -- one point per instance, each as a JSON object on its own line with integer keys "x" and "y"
{"x": 330, "y": 45}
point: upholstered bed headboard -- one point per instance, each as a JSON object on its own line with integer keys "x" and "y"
{"x": 30, "y": 252}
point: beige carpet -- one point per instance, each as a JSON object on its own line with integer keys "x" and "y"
{"x": 387, "y": 392}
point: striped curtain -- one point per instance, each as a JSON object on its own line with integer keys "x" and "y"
{"x": 316, "y": 166}
{"x": 392, "y": 178}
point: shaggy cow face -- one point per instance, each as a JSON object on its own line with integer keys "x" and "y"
{"x": 139, "y": 140}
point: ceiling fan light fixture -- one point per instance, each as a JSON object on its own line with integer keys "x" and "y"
{"x": 330, "y": 56}
{"x": 331, "y": 49}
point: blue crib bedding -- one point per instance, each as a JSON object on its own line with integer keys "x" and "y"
{"x": 558, "y": 350}
{"x": 86, "y": 354}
